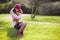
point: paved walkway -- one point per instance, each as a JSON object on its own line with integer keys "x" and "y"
{"x": 35, "y": 22}
{"x": 26, "y": 14}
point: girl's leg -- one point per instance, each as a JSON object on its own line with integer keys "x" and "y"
{"x": 22, "y": 27}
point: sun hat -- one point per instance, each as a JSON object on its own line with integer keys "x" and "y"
{"x": 18, "y": 6}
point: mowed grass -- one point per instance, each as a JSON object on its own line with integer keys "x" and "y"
{"x": 43, "y": 18}
{"x": 33, "y": 31}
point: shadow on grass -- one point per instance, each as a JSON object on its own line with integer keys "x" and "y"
{"x": 12, "y": 34}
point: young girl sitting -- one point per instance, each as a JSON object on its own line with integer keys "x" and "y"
{"x": 16, "y": 13}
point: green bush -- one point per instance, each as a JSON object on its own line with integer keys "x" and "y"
{"x": 5, "y": 8}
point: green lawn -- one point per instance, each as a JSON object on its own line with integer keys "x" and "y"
{"x": 43, "y": 18}
{"x": 33, "y": 31}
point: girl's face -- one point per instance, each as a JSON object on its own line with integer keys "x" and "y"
{"x": 18, "y": 11}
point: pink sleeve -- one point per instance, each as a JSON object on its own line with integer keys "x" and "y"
{"x": 14, "y": 15}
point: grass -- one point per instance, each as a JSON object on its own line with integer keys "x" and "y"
{"x": 43, "y": 18}
{"x": 37, "y": 18}
{"x": 33, "y": 31}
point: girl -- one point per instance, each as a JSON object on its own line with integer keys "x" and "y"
{"x": 16, "y": 13}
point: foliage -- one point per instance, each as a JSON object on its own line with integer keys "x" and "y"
{"x": 4, "y": 1}
{"x": 5, "y": 7}
{"x": 52, "y": 8}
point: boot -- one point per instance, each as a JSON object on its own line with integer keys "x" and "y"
{"x": 19, "y": 34}
{"x": 22, "y": 33}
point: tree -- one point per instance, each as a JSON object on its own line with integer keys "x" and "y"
{"x": 35, "y": 5}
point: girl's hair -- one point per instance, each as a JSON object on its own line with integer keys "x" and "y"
{"x": 14, "y": 10}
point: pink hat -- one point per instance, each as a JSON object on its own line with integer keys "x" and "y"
{"x": 18, "y": 6}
